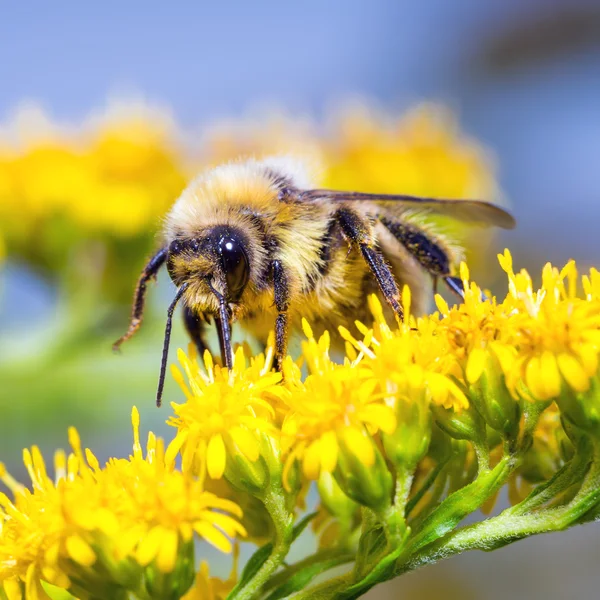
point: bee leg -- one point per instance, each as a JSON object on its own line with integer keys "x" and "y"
{"x": 282, "y": 299}
{"x": 455, "y": 285}
{"x": 139, "y": 298}
{"x": 194, "y": 324}
{"x": 358, "y": 232}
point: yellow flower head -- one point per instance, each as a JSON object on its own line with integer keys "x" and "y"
{"x": 334, "y": 410}
{"x": 226, "y": 412}
{"x": 413, "y": 363}
{"x": 556, "y": 332}
{"x": 105, "y": 524}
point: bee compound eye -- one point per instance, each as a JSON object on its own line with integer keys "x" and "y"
{"x": 234, "y": 261}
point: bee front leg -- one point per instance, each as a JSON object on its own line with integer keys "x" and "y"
{"x": 195, "y": 325}
{"x": 282, "y": 299}
{"x": 139, "y": 298}
{"x": 358, "y": 232}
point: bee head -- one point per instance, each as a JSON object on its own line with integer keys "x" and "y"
{"x": 218, "y": 256}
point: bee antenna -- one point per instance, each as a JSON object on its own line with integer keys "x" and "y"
{"x": 165, "y": 352}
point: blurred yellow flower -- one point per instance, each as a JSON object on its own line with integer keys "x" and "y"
{"x": 115, "y": 174}
{"x": 420, "y": 152}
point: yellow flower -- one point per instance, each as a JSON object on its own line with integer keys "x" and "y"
{"x": 420, "y": 152}
{"x": 101, "y": 527}
{"x": 226, "y": 412}
{"x": 207, "y": 587}
{"x": 557, "y": 333}
{"x": 409, "y": 362}
{"x": 113, "y": 175}
{"x": 332, "y": 417}
{"x": 334, "y": 407}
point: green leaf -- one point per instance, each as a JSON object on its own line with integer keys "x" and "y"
{"x": 304, "y": 576}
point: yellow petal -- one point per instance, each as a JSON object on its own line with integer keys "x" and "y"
{"x": 33, "y": 585}
{"x": 573, "y": 372}
{"x": 226, "y": 505}
{"x": 12, "y": 589}
{"x": 80, "y": 551}
{"x": 126, "y": 541}
{"x": 475, "y": 364}
{"x": 380, "y": 416}
{"x": 107, "y": 522}
{"x": 360, "y": 444}
{"x": 175, "y": 446}
{"x": 213, "y": 536}
{"x": 167, "y": 552}
{"x": 246, "y": 442}
{"x": 148, "y": 546}
{"x": 216, "y": 457}
{"x": 550, "y": 374}
{"x": 311, "y": 463}
{"x": 588, "y": 357}
{"x": 329, "y": 451}
{"x": 442, "y": 305}
{"x": 533, "y": 378}
{"x": 229, "y": 525}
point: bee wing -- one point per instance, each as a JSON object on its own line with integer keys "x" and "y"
{"x": 472, "y": 211}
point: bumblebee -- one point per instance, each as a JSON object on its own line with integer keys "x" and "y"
{"x": 254, "y": 242}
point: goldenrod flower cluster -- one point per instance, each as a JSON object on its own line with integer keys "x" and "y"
{"x": 415, "y": 426}
{"x": 476, "y": 396}
{"x": 103, "y": 532}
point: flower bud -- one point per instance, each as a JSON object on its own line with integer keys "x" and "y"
{"x": 407, "y": 445}
{"x": 175, "y": 583}
{"x": 245, "y": 475}
{"x": 488, "y": 390}
{"x": 582, "y": 409}
{"x": 333, "y": 498}
{"x": 364, "y": 479}
{"x": 465, "y": 424}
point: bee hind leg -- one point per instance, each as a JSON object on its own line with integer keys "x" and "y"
{"x": 358, "y": 232}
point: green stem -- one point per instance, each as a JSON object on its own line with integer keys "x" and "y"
{"x": 562, "y": 479}
{"x": 509, "y": 527}
{"x": 394, "y": 519}
{"x": 461, "y": 503}
{"x": 274, "y": 501}
{"x": 404, "y": 480}
{"x": 483, "y": 456}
